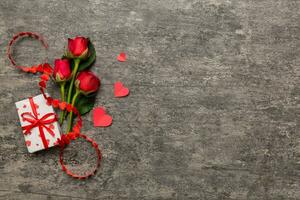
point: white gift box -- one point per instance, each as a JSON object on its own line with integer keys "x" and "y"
{"x": 38, "y": 120}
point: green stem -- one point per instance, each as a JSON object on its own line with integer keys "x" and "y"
{"x": 74, "y": 73}
{"x": 71, "y": 113}
{"x": 62, "y": 94}
{"x": 77, "y": 61}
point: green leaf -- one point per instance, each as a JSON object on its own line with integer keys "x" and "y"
{"x": 91, "y": 59}
{"x": 85, "y": 104}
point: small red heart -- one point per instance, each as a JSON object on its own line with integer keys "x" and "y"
{"x": 121, "y": 90}
{"x": 28, "y": 143}
{"x": 62, "y": 105}
{"x": 122, "y": 57}
{"x": 101, "y": 118}
{"x": 55, "y": 103}
{"x": 69, "y": 107}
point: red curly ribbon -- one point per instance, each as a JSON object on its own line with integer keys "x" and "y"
{"x": 46, "y": 71}
{"x": 35, "y": 121}
{"x": 65, "y": 141}
{"x": 21, "y": 35}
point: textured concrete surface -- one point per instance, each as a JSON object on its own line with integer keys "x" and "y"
{"x": 214, "y": 105}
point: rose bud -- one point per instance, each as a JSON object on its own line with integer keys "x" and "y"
{"x": 62, "y": 70}
{"x": 87, "y": 82}
{"x": 77, "y": 47}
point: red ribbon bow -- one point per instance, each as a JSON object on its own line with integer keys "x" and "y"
{"x": 35, "y": 121}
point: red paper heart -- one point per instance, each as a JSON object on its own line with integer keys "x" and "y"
{"x": 101, "y": 118}
{"x": 122, "y": 57}
{"x": 121, "y": 90}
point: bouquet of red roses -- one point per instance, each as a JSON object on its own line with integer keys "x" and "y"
{"x": 77, "y": 84}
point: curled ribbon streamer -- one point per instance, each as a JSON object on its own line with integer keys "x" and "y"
{"x": 46, "y": 71}
{"x": 18, "y": 36}
{"x": 66, "y": 140}
{"x": 40, "y": 123}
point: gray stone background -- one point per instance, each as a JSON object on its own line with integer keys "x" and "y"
{"x": 213, "y": 111}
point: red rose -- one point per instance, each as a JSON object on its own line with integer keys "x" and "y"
{"x": 87, "y": 82}
{"x": 62, "y": 70}
{"x": 78, "y": 47}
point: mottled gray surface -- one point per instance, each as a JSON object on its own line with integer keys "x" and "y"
{"x": 214, "y": 105}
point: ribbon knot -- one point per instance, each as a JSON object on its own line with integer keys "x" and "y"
{"x": 36, "y": 122}
{"x": 41, "y": 123}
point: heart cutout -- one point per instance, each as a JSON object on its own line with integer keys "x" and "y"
{"x": 121, "y": 57}
{"x": 100, "y": 117}
{"x": 121, "y": 90}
